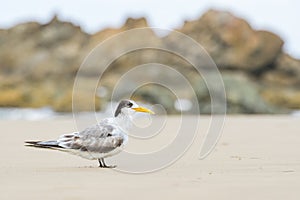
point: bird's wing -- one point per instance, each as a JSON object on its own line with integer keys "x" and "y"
{"x": 100, "y": 138}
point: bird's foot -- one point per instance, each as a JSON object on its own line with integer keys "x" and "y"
{"x": 109, "y": 166}
{"x": 103, "y": 165}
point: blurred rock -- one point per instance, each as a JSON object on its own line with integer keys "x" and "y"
{"x": 282, "y": 83}
{"x": 282, "y": 97}
{"x": 285, "y": 72}
{"x": 242, "y": 95}
{"x": 39, "y": 63}
{"x": 232, "y": 43}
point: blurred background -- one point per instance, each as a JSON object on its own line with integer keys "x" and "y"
{"x": 255, "y": 45}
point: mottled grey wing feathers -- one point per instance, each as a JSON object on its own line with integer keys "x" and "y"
{"x": 98, "y": 138}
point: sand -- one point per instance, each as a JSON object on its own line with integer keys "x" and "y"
{"x": 257, "y": 157}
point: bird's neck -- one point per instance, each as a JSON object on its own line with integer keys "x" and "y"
{"x": 124, "y": 121}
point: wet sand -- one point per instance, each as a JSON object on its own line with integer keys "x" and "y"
{"x": 257, "y": 157}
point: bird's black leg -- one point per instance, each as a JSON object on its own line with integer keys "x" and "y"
{"x": 100, "y": 163}
{"x": 106, "y": 166}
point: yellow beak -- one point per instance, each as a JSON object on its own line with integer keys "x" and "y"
{"x": 142, "y": 109}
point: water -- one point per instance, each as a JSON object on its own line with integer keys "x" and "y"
{"x": 47, "y": 113}
{"x": 28, "y": 113}
{"x": 295, "y": 113}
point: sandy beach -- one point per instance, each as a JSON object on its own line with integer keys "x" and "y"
{"x": 257, "y": 157}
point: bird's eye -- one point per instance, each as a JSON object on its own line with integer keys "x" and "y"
{"x": 130, "y": 105}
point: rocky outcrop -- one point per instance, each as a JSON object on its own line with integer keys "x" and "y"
{"x": 232, "y": 43}
{"x": 282, "y": 82}
{"x": 39, "y": 62}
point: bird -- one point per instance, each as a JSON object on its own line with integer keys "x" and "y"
{"x": 97, "y": 142}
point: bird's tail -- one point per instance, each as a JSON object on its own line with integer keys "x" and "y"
{"x": 46, "y": 144}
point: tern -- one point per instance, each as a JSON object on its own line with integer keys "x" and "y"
{"x": 105, "y": 139}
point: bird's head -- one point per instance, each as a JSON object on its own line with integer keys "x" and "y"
{"x": 129, "y": 107}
